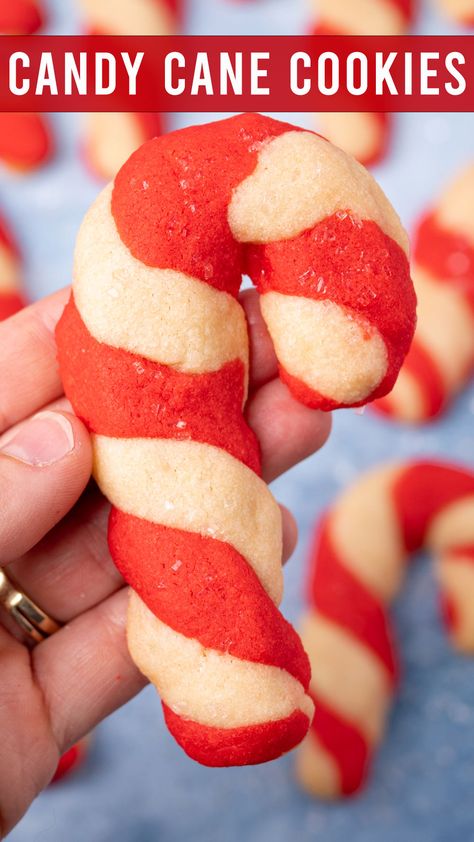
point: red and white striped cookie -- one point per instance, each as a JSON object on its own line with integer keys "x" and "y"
{"x": 356, "y": 569}
{"x": 20, "y": 17}
{"x": 365, "y": 135}
{"x": 11, "y": 298}
{"x": 153, "y": 351}
{"x": 461, "y": 11}
{"x": 441, "y": 358}
{"x": 112, "y": 137}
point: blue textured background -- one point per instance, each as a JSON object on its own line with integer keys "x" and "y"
{"x": 137, "y": 785}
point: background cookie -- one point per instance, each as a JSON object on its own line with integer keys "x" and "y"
{"x": 355, "y": 570}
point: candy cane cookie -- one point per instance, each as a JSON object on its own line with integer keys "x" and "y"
{"x": 441, "y": 358}
{"x": 461, "y": 11}
{"x": 363, "y": 134}
{"x": 112, "y": 137}
{"x": 153, "y": 351}
{"x": 11, "y": 298}
{"x": 356, "y": 569}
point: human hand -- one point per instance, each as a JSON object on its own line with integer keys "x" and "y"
{"x": 53, "y": 547}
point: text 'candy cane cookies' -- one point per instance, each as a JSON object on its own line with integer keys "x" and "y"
{"x": 112, "y": 137}
{"x": 356, "y": 569}
{"x": 153, "y": 351}
{"x": 11, "y": 298}
{"x": 363, "y": 134}
{"x": 441, "y": 358}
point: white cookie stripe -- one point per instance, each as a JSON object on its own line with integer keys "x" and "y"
{"x": 197, "y": 487}
{"x": 110, "y": 138}
{"x": 366, "y": 17}
{"x": 313, "y": 355}
{"x": 129, "y": 17}
{"x": 206, "y": 686}
{"x": 344, "y": 662}
{"x": 153, "y": 351}
{"x": 301, "y": 179}
{"x": 455, "y": 205}
{"x": 316, "y": 769}
{"x": 357, "y": 569}
{"x": 441, "y": 359}
{"x": 375, "y": 557}
{"x": 360, "y": 133}
{"x": 183, "y": 322}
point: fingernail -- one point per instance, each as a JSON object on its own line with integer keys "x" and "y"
{"x": 43, "y": 440}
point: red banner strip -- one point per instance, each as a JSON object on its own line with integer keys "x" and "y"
{"x": 237, "y": 73}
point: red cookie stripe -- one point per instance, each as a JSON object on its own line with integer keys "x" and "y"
{"x": 25, "y": 140}
{"x": 71, "y": 760}
{"x": 421, "y": 492}
{"x": 10, "y": 303}
{"x": 425, "y": 371}
{"x": 407, "y": 7}
{"x": 446, "y": 255}
{"x": 243, "y": 746}
{"x": 174, "y": 6}
{"x": 160, "y": 402}
{"x": 20, "y": 17}
{"x": 346, "y": 745}
{"x": 337, "y": 594}
{"x": 351, "y": 263}
{"x": 465, "y": 553}
{"x": 234, "y": 614}
{"x": 197, "y": 172}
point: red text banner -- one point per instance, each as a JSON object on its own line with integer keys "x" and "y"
{"x": 236, "y": 73}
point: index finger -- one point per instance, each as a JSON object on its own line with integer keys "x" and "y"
{"x": 29, "y": 376}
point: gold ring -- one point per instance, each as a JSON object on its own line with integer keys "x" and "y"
{"x": 31, "y": 619}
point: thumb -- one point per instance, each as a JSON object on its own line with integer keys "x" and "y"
{"x": 45, "y": 464}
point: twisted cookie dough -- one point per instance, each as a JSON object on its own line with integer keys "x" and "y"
{"x": 153, "y": 351}
{"x": 356, "y": 569}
